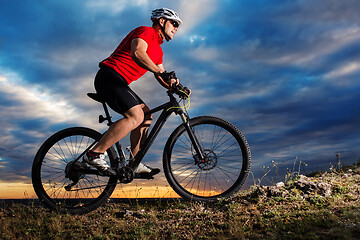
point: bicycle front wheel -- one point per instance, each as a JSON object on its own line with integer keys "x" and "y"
{"x": 51, "y": 173}
{"x": 223, "y": 170}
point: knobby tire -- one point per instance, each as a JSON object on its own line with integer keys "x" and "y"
{"x": 225, "y": 169}
{"x": 48, "y": 173}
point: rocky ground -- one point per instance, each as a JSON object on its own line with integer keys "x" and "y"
{"x": 324, "y": 206}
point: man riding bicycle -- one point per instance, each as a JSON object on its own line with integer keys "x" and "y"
{"x": 139, "y": 52}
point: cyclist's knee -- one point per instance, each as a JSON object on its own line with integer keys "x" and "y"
{"x": 135, "y": 116}
{"x": 137, "y": 120}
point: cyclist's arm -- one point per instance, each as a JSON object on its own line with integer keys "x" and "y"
{"x": 161, "y": 81}
{"x": 139, "y": 55}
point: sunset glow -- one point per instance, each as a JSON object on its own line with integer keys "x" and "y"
{"x": 286, "y": 73}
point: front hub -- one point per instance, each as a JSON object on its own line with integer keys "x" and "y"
{"x": 209, "y": 162}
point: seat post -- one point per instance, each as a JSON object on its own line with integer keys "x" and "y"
{"x": 107, "y": 114}
{"x": 99, "y": 99}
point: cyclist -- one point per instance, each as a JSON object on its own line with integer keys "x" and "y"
{"x": 140, "y": 51}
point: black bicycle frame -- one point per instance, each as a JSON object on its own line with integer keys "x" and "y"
{"x": 167, "y": 109}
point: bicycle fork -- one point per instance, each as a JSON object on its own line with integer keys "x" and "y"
{"x": 199, "y": 157}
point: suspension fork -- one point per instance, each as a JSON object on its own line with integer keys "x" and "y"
{"x": 199, "y": 157}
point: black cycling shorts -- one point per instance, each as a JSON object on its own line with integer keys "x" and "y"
{"x": 113, "y": 88}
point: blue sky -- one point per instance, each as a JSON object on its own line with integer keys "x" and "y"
{"x": 286, "y": 73}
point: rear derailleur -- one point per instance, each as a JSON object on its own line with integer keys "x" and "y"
{"x": 75, "y": 171}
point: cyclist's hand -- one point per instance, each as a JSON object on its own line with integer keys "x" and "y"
{"x": 182, "y": 91}
{"x": 173, "y": 83}
{"x": 167, "y": 76}
{"x": 170, "y": 79}
{"x": 188, "y": 91}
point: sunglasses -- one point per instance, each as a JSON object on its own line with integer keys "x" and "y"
{"x": 174, "y": 23}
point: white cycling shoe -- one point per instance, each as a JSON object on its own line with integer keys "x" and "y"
{"x": 145, "y": 172}
{"x": 99, "y": 162}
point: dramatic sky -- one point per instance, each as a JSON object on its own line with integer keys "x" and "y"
{"x": 286, "y": 73}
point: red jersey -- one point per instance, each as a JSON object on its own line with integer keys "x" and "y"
{"x": 120, "y": 60}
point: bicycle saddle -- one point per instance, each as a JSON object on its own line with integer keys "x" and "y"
{"x": 96, "y": 97}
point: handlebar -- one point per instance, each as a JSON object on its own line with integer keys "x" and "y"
{"x": 180, "y": 90}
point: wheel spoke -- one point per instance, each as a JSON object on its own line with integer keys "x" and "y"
{"x": 56, "y": 173}
{"x": 222, "y": 167}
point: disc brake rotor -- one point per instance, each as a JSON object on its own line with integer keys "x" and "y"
{"x": 210, "y": 160}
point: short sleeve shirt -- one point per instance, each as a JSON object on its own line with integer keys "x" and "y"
{"x": 120, "y": 60}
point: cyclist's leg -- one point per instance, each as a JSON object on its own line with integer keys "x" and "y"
{"x": 123, "y": 100}
{"x": 120, "y": 98}
{"x": 119, "y": 129}
{"x": 139, "y": 134}
{"x": 137, "y": 138}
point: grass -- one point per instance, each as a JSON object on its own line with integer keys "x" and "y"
{"x": 248, "y": 215}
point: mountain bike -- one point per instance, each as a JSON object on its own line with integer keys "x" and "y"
{"x": 205, "y": 158}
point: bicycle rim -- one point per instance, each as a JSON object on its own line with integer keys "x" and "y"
{"x": 50, "y": 177}
{"x": 226, "y": 164}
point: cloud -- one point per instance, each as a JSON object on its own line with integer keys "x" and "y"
{"x": 286, "y": 73}
{"x": 315, "y": 45}
{"x": 115, "y": 7}
{"x": 31, "y": 113}
{"x": 195, "y": 14}
{"x": 342, "y": 71}
{"x": 27, "y": 100}
{"x": 205, "y": 54}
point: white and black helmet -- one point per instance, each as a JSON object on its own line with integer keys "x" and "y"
{"x": 165, "y": 13}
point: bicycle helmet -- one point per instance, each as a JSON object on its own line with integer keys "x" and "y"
{"x": 168, "y": 14}
{"x": 165, "y": 13}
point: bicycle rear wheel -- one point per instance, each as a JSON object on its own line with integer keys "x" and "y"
{"x": 51, "y": 174}
{"x": 224, "y": 169}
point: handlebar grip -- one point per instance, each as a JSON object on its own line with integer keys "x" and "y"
{"x": 167, "y": 76}
{"x": 181, "y": 90}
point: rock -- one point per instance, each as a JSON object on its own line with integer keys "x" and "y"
{"x": 271, "y": 191}
{"x": 307, "y": 186}
{"x": 324, "y": 189}
{"x": 123, "y": 214}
